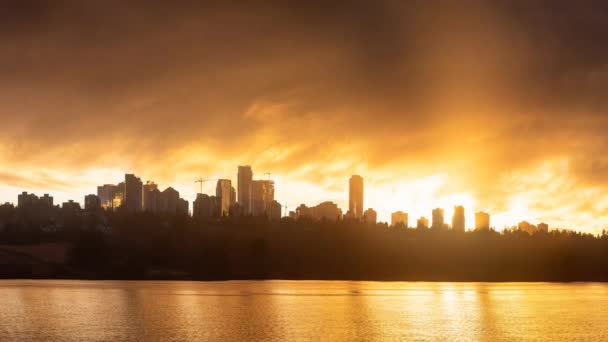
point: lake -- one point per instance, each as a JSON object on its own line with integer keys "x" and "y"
{"x": 65, "y": 310}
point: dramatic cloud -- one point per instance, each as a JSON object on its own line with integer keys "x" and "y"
{"x": 499, "y": 104}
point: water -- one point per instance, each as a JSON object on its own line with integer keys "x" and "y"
{"x": 300, "y": 311}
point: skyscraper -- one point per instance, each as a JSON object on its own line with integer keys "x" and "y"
{"x": 355, "y": 196}
{"x": 399, "y": 218}
{"x": 133, "y": 193}
{"x": 169, "y": 201}
{"x": 245, "y": 177}
{"x": 223, "y": 192}
{"x": 370, "y": 216}
{"x": 91, "y": 202}
{"x": 262, "y": 196}
{"x": 482, "y": 220}
{"x": 458, "y": 222}
{"x": 437, "y": 219}
{"x": 151, "y": 197}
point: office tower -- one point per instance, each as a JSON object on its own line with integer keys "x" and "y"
{"x": 91, "y": 202}
{"x": 482, "y": 221}
{"x": 355, "y": 196}
{"x": 262, "y": 195}
{"x": 132, "y": 201}
{"x": 245, "y": 177}
{"x": 437, "y": 219}
{"x": 422, "y": 223}
{"x": 458, "y": 222}
{"x": 151, "y": 197}
{"x": 370, "y": 216}
{"x": 399, "y": 218}
{"x": 169, "y": 201}
{"x": 223, "y": 192}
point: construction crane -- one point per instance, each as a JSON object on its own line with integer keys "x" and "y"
{"x": 201, "y": 181}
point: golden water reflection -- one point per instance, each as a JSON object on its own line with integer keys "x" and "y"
{"x": 300, "y": 311}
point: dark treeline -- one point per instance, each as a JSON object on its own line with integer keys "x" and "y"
{"x": 117, "y": 245}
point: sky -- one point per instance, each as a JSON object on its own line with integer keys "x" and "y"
{"x": 496, "y": 105}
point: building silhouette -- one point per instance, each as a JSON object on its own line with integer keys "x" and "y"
{"x": 458, "y": 220}
{"x": 437, "y": 219}
{"x": 205, "y": 206}
{"x": 182, "y": 207}
{"x": 244, "y": 180}
{"x": 482, "y": 221}
{"x": 106, "y": 194}
{"x": 275, "y": 211}
{"x": 169, "y": 201}
{"x": 422, "y": 223}
{"x": 133, "y": 193}
{"x": 151, "y": 197}
{"x": 543, "y": 227}
{"x": 399, "y": 218}
{"x": 223, "y": 192}
{"x": 370, "y": 216}
{"x": 262, "y": 196}
{"x": 355, "y": 196}
{"x": 92, "y": 202}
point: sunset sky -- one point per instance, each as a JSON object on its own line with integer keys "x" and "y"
{"x": 496, "y": 105}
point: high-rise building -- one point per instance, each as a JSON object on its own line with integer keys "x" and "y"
{"x": 70, "y": 206}
{"x": 326, "y": 211}
{"x": 205, "y": 206}
{"x": 437, "y": 219}
{"x": 275, "y": 211}
{"x": 106, "y": 195}
{"x": 151, "y": 197}
{"x": 223, "y": 192}
{"x": 399, "y": 218}
{"x": 133, "y": 193}
{"x": 244, "y": 180}
{"x": 46, "y": 200}
{"x": 458, "y": 221}
{"x": 355, "y": 196}
{"x": 543, "y": 227}
{"x": 169, "y": 201}
{"x": 482, "y": 220}
{"x": 26, "y": 200}
{"x": 91, "y": 202}
{"x": 422, "y": 223}
{"x": 182, "y": 206}
{"x": 232, "y": 196}
{"x": 262, "y": 195}
{"x": 370, "y": 216}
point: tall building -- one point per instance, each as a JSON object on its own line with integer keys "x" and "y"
{"x": 26, "y": 200}
{"x": 399, "y": 218}
{"x": 482, "y": 220}
{"x": 46, "y": 200}
{"x": 169, "y": 201}
{"x": 326, "y": 211}
{"x": 223, "y": 192}
{"x": 422, "y": 223}
{"x": 458, "y": 221}
{"x": 262, "y": 195}
{"x": 355, "y": 196}
{"x": 543, "y": 227}
{"x": 275, "y": 211}
{"x": 133, "y": 193}
{"x": 370, "y": 216}
{"x": 106, "y": 195}
{"x": 437, "y": 219}
{"x": 151, "y": 197}
{"x": 244, "y": 180}
{"x": 205, "y": 206}
{"x": 182, "y": 206}
{"x": 91, "y": 202}
{"x": 232, "y": 196}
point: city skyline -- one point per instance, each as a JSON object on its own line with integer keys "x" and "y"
{"x": 133, "y": 195}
